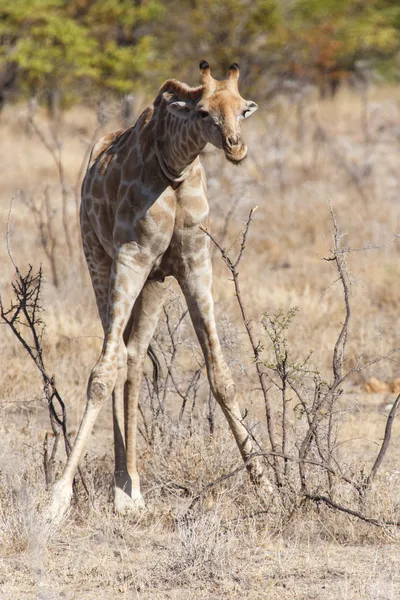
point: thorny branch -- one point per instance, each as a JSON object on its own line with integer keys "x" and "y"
{"x": 385, "y": 442}
{"x": 255, "y": 345}
{"x": 169, "y": 344}
{"x": 24, "y": 312}
{"x": 340, "y": 345}
{"x": 314, "y": 497}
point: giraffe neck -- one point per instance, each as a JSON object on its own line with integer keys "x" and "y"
{"x": 173, "y": 176}
{"x": 177, "y": 145}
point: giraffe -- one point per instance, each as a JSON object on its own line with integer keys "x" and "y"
{"x": 144, "y": 202}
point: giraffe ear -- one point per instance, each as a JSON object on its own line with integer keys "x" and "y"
{"x": 180, "y": 109}
{"x": 250, "y": 108}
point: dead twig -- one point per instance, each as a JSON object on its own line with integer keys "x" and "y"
{"x": 54, "y": 147}
{"x": 350, "y": 511}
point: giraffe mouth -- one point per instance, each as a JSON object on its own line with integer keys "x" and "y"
{"x": 236, "y": 155}
{"x": 234, "y": 147}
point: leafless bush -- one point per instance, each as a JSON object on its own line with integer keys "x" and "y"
{"x": 23, "y": 317}
{"x": 302, "y": 447}
{"x": 53, "y": 144}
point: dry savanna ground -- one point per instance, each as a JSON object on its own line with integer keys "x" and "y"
{"x": 235, "y": 541}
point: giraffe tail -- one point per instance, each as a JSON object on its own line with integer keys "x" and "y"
{"x": 156, "y": 367}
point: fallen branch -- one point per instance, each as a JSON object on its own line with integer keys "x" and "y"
{"x": 312, "y": 497}
{"x": 349, "y": 511}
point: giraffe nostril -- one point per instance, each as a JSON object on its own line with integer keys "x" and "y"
{"x": 231, "y": 141}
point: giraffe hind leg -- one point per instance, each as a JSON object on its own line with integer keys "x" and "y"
{"x": 117, "y": 285}
{"x": 99, "y": 266}
{"x": 145, "y": 314}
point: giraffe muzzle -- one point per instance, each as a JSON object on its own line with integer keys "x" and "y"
{"x": 235, "y": 149}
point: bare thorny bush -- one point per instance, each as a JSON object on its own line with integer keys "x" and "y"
{"x": 57, "y": 226}
{"x": 302, "y": 420}
{"x": 172, "y": 346}
{"x": 25, "y": 321}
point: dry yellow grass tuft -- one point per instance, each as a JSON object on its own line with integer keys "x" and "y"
{"x": 375, "y": 386}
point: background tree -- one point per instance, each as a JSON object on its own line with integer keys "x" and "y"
{"x": 74, "y": 50}
{"x": 327, "y": 41}
{"x": 59, "y": 47}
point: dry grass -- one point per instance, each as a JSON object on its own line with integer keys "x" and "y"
{"x": 235, "y": 543}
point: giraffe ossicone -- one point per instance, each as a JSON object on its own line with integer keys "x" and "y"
{"x": 144, "y": 202}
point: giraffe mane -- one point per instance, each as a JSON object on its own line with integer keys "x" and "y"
{"x": 182, "y": 90}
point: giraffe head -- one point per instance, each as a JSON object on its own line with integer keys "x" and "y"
{"x": 218, "y": 109}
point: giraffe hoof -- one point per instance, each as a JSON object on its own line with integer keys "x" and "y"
{"x": 266, "y": 486}
{"x": 124, "y": 504}
{"x": 61, "y": 498}
{"x": 256, "y": 471}
{"x": 259, "y": 478}
{"x": 263, "y": 485}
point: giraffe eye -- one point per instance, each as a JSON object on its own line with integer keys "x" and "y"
{"x": 203, "y": 114}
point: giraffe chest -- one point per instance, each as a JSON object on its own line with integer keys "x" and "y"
{"x": 192, "y": 210}
{"x": 134, "y": 213}
{"x": 188, "y": 241}
{"x": 191, "y": 200}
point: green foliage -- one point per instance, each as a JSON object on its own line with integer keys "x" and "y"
{"x": 45, "y": 44}
{"x": 221, "y": 32}
{"x": 323, "y": 41}
{"x": 120, "y": 65}
{"x": 64, "y": 44}
{"x": 119, "y": 45}
{"x": 357, "y": 27}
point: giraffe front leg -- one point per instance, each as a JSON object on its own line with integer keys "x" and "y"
{"x": 196, "y": 285}
{"x": 129, "y": 272}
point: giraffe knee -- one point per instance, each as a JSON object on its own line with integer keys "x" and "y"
{"x": 224, "y": 391}
{"x": 122, "y": 361}
{"x": 101, "y": 385}
{"x": 136, "y": 353}
{"x": 132, "y": 356}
